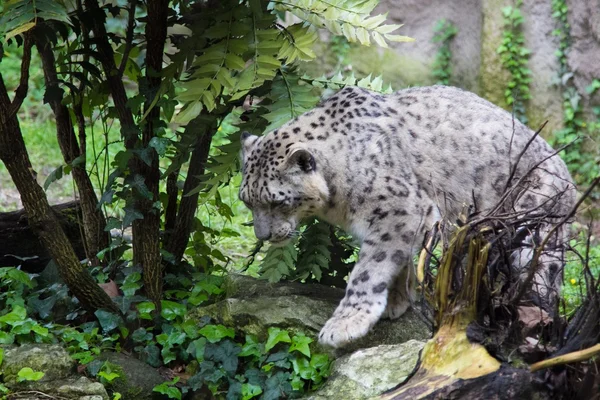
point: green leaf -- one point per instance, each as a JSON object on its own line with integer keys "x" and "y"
{"x": 300, "y": 343}
{"x": 108, "y": 321}
{"x": 171, "y": 310}
{"x": 276, "y": 335}
{"x": 145, "y": 309}
{"x": 53, "y": 177}
{"x": 28, "y": 374}
{"x": 215, "y": 333}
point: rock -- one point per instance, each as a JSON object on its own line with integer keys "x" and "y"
{"x": 419, "y": 22}
{"x": 137, "y": 379}
{"x": 370, "y": 372}
{"x": 493, "y": 76}
{"x": 60, "y": 378}
{"x": 255, "y": 305}
{"x": 546, "y": 96}
{"x": 584, "y": 54}
{"x": 80, "y": 388}
{"x": 52, "y": 360}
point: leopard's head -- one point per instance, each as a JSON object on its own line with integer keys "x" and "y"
{"x": 281, "y": 184}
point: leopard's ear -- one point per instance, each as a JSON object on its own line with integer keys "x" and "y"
{"x": 247, "y": 140}
{"x": 302, "y": 159}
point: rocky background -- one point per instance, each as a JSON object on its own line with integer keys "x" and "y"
{"x": 476, "y": 64}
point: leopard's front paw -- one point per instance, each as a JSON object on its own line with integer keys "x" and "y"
{"x": 343, "y": 328}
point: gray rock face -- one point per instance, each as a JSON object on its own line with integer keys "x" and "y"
{"x": 255, "y": 305}
{"x": 59, "y": 377}
{"x": 546, "y": 98}
{"x": 137, "y": 378}
{"x": 584, "y": 55}
{"x": 52, "y": 360}
{"x": 419, "y": 18}
{"x": 370, "y": 372}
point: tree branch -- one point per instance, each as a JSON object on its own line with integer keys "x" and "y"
{"x": 23, "y": 87}
{"x": 573, "y": 357}
{"x": 128, "y": 37}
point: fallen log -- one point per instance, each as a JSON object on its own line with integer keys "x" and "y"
{"x": 19, "y": 245}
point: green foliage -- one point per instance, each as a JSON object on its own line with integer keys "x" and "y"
{"x": 322, "y": 254}
{"x": 27, "y": 374}
{"x": 444, "y": 34}
{"x": 345, "y": 17}
{"x": 514, "y": 57}
{"x": 582, "y": 263}
{"x": 583, "y": 160}
{"x": 168, "y": 389}
{"x": 19, "y": 16}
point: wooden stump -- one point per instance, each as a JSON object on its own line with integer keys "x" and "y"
{"x": 17, "y": 240}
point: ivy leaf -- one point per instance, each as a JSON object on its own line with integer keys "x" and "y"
{"x": 252, "y": 347}
{"x": 276, "y": 335}
{"x": 145, "y": 309}
{"x": 160, "y": 145}
{"x": 214, "y": 333}
{"x": 300, "y": 343}
{"x": 171, "y": 310}
{"x": 28, "y": 374}
{"x": 277, "y": 386}
{"x": 151, "y": 355}
{"x": 249, "y": 391}
{"x": 224, "y": 353}
{"x": 108, "y": 321}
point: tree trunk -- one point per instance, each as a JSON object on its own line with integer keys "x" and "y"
{"x": 189, "y": 203}
{"x": 146, "y": 231}
{"x": 20, "y": 246}
{"x": 94, "y": 223}
{"x": 41, "y": 218}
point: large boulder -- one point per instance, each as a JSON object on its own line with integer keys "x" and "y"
{"x": 253, "y": 306}
{"x": 370, "y": 372}
{"x": 60, "y": 378}
{"x": 584, "y": 54}
{"x": 136, "y": 378}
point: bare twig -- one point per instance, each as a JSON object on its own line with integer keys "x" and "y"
{"x": 128, "y": 37}
{"x": 538, "y": 251}
{"x": 23, "y": 87}
{"x": 513, "y": 169}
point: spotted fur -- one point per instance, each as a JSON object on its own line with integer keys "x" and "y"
{"x": 385, "y": 168}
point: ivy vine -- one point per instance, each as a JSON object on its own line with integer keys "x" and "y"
{"x": 445, "y": 31}
{"x": 514, "y": 57}
{"x": 583, "y": 164}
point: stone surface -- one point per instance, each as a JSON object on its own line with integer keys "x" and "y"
{"x": 370, "y": 372}
{"x": 137, "y": 378}
{"x": 584, "y": 55}
{"x": 546, "y": 96}
{"x": 419, "y": 22}
{"x": 60, "y": 378}
{"x": 52, "y": 360}
{"x": 255, "y": 305}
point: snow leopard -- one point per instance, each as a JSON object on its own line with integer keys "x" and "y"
{"x": 385, "y": 168}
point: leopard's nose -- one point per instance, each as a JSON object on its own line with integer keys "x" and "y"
{"x": 263, "y": 235}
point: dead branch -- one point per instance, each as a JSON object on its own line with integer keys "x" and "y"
{"x": 573, "y": 357}
{"x": 539, "y": 249}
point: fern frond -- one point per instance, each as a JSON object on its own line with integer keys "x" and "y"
{"x": 314, "y": 254}
{"x": 290, "y": 98}
{"x": 19, "y": 16}
{"x": 350, "y": 18}
{"x": 278, "y": 262}
{"x": 339, "y": 81}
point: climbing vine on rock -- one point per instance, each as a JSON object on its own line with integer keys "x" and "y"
{"x": 582, "y": 163}
{"x": 445, "y": 31}
{"x": 514, "y": 57}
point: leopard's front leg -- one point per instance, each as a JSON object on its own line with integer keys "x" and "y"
{"x": 378, "y": 266}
